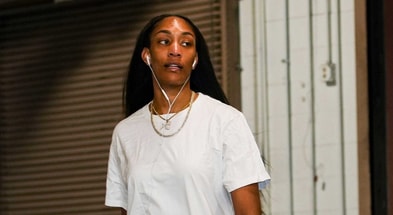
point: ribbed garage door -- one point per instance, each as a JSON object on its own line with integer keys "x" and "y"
{"x": 61, "y": 74}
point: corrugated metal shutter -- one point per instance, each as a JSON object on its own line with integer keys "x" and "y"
{"x": 61, "y": 74}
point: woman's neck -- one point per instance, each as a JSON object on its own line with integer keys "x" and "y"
{"x": 177, "y": 101}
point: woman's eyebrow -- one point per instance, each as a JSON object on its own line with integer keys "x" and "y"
{"x": 169, "y": 32}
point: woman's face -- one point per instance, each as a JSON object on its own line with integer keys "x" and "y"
{"x": 172, "y": 51}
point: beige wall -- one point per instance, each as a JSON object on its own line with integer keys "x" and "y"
{"x": 305, "y": 123}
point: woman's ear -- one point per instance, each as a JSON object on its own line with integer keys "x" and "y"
{"x": 195, "y": 62}
{"x": 146, "y": 56}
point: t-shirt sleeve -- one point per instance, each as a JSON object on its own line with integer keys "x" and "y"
{"x": 243, "y": 164}
{"x": 116, "y": 188}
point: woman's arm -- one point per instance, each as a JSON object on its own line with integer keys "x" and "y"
{"x": 123, "y": 212}
{"x": 246, "y": 200}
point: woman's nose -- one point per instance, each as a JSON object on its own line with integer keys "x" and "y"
{"x": 174, "y": 50}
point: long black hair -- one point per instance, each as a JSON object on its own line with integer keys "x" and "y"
{"x": 138, "y": 88}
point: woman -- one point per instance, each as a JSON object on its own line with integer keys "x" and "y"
{"x": 182, "y": 149}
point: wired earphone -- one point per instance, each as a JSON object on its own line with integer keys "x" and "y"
{"x": 162, "y": 90}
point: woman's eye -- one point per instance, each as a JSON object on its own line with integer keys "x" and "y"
{"x": 164, "y": 42}
{"x": 185, "y": 44}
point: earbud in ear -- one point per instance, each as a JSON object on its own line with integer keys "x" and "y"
{"x": 194, "y": 64}
{"x": 148, "y": 60}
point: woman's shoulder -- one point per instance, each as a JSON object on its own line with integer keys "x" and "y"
{"x": 135, "y": 118}
{"x": 217, "y": 107}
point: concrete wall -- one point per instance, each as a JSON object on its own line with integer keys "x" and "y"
{"x": 299, "y": 96}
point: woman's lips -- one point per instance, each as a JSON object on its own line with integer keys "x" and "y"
{"x": 173, "y": 66}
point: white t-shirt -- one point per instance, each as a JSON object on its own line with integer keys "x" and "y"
{"x": 192, "y": 172}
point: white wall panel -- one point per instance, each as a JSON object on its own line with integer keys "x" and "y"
{"x": 310, "y": 125}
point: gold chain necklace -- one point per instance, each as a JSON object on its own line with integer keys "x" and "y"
{"x": 164, "y": 125}
{"x": 167, "y": 124}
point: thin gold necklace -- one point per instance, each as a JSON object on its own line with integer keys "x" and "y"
{"x": 167, "y": 124}
{"x": 182, "y": 125}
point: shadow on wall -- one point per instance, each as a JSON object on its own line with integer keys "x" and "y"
{"x": 61, "y": 75}
{"x": 41, "y": 49}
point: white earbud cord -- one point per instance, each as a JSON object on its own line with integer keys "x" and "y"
{"x": 165, "y": 94}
